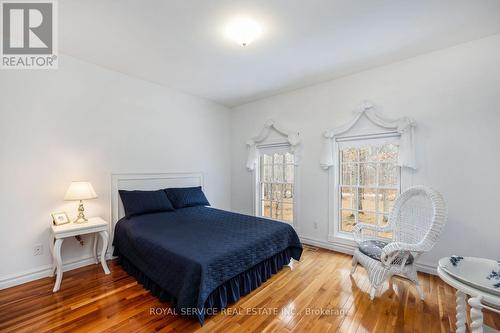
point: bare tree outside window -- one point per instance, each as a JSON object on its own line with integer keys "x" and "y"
{"x": 369, "y": 184}
{"x": 277, "y": 185}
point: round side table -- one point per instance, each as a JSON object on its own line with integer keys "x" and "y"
{"x": 478, "y": 300}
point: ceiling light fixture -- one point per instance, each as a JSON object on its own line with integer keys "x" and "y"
{"x": 243, "y": 30}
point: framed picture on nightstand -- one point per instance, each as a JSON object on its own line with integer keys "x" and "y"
{"x": 60, "y": 218}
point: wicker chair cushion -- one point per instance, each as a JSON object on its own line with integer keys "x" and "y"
{"x": 373, "y": 249}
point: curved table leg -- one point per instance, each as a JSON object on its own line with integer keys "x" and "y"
{"x": 461, "y": 311}
{"x": 476, "y": 315}
{"x": 51, "y": 249}
{"x": 94, "y": 251}
{"x": 290, "y": 264}
{"x": 104, "y": 236}
{"x": 58, "y": 260}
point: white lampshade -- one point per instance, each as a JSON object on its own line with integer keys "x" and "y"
{"x": 80, "y": 191}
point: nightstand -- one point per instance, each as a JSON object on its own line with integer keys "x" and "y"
{"x": 58, "y": 233}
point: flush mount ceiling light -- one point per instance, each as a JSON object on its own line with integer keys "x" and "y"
{"x": 243, "y": 30}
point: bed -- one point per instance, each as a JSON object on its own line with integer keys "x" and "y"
{"x": 199, "y": 258}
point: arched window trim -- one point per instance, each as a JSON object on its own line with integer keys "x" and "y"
{"x": 293, "y": 139}
{"x": 290, "y": 139}
{"x": 402, "y": 128}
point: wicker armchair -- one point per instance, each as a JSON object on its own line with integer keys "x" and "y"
{"x": 416, "y": 221}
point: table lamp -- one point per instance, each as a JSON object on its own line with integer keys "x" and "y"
{"x": 80, "y": 191}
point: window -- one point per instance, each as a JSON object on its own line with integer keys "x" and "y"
{"x": 275, "y": 182}
{"x": 368, "y": 182}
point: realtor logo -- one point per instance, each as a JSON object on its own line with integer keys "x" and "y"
{"x": 29, "y": 39}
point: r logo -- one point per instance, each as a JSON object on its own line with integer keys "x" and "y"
{"x": 29, "y": 34}
{"x": 27, "y": 28}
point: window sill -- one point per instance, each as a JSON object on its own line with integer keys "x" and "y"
{"x": 347, "y": 240}
{"x": 343, "y": 239}
{"x": 276, "y": 220}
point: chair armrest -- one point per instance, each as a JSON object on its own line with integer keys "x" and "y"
{"x": 391, "y": 250}
{"x": 401, "y": 246}
{"x": 358, "y": 228}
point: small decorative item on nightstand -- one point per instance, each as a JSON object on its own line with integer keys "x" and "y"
{"x": 80, "y": 191}
{"x": 60, "y": 218}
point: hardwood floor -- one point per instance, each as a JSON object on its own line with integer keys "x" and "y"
{"x": 317, "y": 295}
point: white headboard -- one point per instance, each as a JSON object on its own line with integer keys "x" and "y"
{"x": 146, "y": 181}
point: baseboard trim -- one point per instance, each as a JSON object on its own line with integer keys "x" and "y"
{"x": 426, "y": 268}
{"x": 347, "y": 249}
{"x": 16, "y": 279}
{"x": 342, "y": 248}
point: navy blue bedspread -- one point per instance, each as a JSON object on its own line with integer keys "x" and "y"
{"x": 192, "y": 251}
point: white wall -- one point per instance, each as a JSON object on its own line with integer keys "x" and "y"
{"x": 454, "y": 96}
{"x": 83, "y": 122}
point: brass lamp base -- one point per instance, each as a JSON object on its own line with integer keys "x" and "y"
{"x": 80, "y": 220}
{"x": 81, "y": 216}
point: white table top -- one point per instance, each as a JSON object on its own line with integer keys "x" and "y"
{"x": 94, "y": 224}
{"x": 489, "y": 299}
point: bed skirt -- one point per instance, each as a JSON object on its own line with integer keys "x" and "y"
{"x": 227, "y": 293}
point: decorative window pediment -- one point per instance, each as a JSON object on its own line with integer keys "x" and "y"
{"x": 292, "y": 138}
{"x": 405, "y": 127}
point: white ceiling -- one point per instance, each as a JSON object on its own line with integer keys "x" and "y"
{"x": 180, "y": 43}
